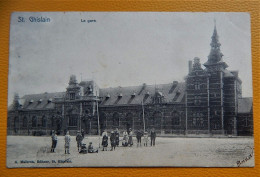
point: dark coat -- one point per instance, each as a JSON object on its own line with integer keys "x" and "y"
{"x": 139, "y": 134}
{"x": 105, "y": 141}
{"x": 153, "y": 134}
{"x": 113, "y": 139}
{"x": 117, "y": 138}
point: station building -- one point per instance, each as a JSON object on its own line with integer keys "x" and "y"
{"x": 208, "y": 101}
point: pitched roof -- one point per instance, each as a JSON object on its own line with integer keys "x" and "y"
{"x": 40, "y": 101}
{"x": 245, "y": 105}
{"x": 173, "y": 92}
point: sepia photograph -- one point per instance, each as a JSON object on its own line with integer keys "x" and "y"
{"x": 130, "y": 89}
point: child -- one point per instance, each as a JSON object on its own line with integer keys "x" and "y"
{"x": 91, "y": 148}
{"x": 125, "y": 139}
{"x": 83, "y": 149}
{"x": 145, "y": 138}
{"x": 67, "y": 143}
{"x": 104, "y": 140}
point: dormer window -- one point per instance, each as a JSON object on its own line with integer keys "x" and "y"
{"x": 107, "y": 96}
{"x": 147, "y": 93}
{"x": 31, "y": 101}
{"x": 178, "y": 92}
{"x": 142, "y": 89}
{"x": 39, "y": 101}
{"x": 120, "y": 95}
{"x": 133, "y": 95}
{"x": 50, "y": 100}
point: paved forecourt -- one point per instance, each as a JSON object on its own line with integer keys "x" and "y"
{"x": 29, "y": 151}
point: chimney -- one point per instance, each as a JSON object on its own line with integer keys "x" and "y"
{"x": 190, "y": 66}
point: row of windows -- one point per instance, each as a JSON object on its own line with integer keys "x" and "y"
{"x": 35, "y": 122}
{"x": 153, "y": 120}
{"x": 198, "y": 119}
{"x": 197, "y": 86}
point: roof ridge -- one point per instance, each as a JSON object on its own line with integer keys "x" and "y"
{"x": 34, "y": 94}
{"x": 138, "y": 85}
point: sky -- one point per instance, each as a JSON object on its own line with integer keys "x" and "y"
{"x": 121, "y": 48}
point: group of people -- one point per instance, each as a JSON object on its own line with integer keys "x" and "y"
{"x": 127, "y": 138}
{"x": 79, "y": 138}
{"x": 114, "y": 140}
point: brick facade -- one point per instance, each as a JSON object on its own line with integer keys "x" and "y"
{"x": 209, "y": 101}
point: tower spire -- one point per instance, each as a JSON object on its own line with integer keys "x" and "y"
{"x": 215, "y": 54}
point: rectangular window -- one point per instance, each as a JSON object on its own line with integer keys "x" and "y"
{"x": 197, "y": 100}
{"x": 194, "y": 121}
{"x": 73, "y": 120}
{"x": 72, "y": 96}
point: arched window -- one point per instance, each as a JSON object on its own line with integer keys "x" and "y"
{"x": 25, "y": 122}
{"x": 52, "y": 121}
{"x": 73, "y": 117}
{"x": 116, "y": 119}
{"x": 34, "y": 121}
{"x": 129, "y": 120}
{"x": 44, "y": 121}
{"x": 155, "y": 120}
{"x": 16, "y": 122}
{"x": 102, "y": 119}
{"x": 175, "y": 118}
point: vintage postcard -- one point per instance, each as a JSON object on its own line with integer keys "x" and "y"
{"x": 130, "y": 89}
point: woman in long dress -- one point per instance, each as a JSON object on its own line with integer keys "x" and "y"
{"x": 104, "y": 140}
{"x": 125, "y": 139}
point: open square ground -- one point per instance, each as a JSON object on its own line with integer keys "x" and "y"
{"x": 170, "y": 151}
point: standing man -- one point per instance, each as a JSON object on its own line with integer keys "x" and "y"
{"x": 153, "y": 136}
{"x": 67, "y": 143}
{"x": 130, "y": 136}
{"x": 113, "y": 141}
{"x": 82, "y": 133}
{"x": 117, "y": 137}
{"x": 79, "y": 139}
{"x": 54, "y": 139}
{"x": 139, "y": 135}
